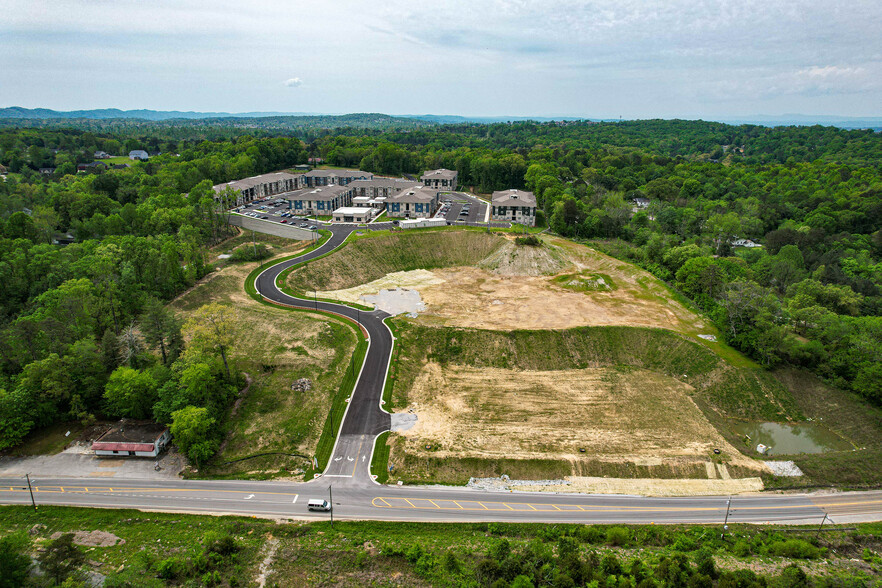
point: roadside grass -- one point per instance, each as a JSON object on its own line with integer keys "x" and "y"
{"x": 359, "y": 553}
{"x": 276, "y": 347}
{"x": 380, "y": 458}
{"x": 117, "y": 159}
{"x": 367, "y": 258}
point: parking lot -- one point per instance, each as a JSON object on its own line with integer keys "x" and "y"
{"x": 461, "y": 208}
{"x": 276, "y": 210}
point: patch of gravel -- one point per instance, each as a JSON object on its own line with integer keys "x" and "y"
{"x": 397, "y": 301}
{"x": 402, "y": 421}
{"x": 505, "y": 483}
{"x": 784, "y": 468}
{"x": 93, "y": 538}
{"x": 709, "y": 337}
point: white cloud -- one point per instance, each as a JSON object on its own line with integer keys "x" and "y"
{"x": 293, "y": 82}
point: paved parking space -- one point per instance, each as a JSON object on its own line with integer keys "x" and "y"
{"x": 278, "y": 211}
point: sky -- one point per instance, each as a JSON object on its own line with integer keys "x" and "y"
{"x": 603, "y": 58}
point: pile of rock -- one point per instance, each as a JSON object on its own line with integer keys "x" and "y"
{"x": 302, "y": 385}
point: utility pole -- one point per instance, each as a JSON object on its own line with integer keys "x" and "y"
{"x": 726, "y": 520}
{"x": 31, "y": 490}
{"x": 822, "y": 524}
{"x": 331, "y": 502}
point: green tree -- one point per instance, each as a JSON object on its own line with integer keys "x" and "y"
{"x": 161, "y": 329}
{"x": 194, "y": 433}
{"x": 212, "y": 329}
{"x": 15, "y": 563}
{"x": 130, "y": 393}
{"x": 62, "y": 559}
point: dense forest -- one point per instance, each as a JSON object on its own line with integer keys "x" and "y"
{"x": 810, "y": 296}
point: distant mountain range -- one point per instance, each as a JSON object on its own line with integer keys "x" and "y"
{"x": 17, "y": 112}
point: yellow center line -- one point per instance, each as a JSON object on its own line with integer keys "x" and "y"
{"x": 457, "y": 504}
{"x": 357, "y": 453}
{"x": 433, "y": 502}
{"x": 410, "y": 503}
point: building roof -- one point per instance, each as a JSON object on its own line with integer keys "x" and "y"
{"x": 256, "y": 180}
{"x": 320, "y": 193}
{"x": 513, "y": 197}
{"x": 439, "y": 174}
{"x": 128, "y": 436}
{"x": 399, "y": 183}
{"x": 338, "y": 173}
{"x": 138, "y": 153}
{"x": 353, "y": 210}
{"x": 415, "y": 194}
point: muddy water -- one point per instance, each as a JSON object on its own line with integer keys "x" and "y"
{"x": 786, "y": 439}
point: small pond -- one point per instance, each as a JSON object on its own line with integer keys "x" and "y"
{"x": 786, "y": 439}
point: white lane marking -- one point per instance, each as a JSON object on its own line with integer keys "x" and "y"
{"x": 337, "y": 458}
{"x": 349, "y": 458}
{"x": 249, "y": 497}
{"x": 295, "y": 498}
{"x": 336, "y": 476}
{"x": 363, "y": 458}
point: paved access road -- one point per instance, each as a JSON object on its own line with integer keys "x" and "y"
{"x": 357, "y": 496}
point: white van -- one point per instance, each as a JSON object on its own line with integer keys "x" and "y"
{"x": 318, "y": 504}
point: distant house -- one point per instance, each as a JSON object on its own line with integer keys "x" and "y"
{"x": 440, "y": 179}
{"x": 47, "y": 170}
{"x": 641, "y": 202}
{"x": 517, "y": 206}
{"x": 101, "y": 155}
{"x": 92, "y": 167}
{"x": 415, "y": 202}
{"x": 744, "y": 243}
{"x": 303, "y": 167}
{"x": 62, "y": 239}
{"x": 138, "y": 155}
{"x": 315, "y": 160}
{"x": 119, "y": 166}
{"x": 132, "y": 440}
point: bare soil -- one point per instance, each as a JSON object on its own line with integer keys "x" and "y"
{"x": 519, "y": 287}
{"x": 615, "y": 415}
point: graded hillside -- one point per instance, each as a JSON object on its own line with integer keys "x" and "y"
{"x": 275, "y": 347}
{"x": 588, "y": 401}
{"x": 487, "y": 281}
{"x": 372, "y": 257}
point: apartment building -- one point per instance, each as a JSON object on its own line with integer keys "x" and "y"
{"x": 380, "y": 187}
{"x": 257, "y": 187}
{"x": 418, "y": 201}
{"x": 440, "y": 179}
{"x": 334, "y": 177}
{"x": 322, "y": 201}
{"x": 516, "y": 206}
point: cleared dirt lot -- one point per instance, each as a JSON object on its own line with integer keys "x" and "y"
{"x": 613, "y": 414}
{"x": 557, "y": 286}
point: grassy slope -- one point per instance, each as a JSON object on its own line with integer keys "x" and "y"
{"x": 388, "y": 553}
{"x": 731, "y": 391}
{"x": 372, "y": 257}
{"x": 276, "y": 348}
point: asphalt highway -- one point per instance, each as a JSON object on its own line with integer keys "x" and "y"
{"x": 357, "y": 496}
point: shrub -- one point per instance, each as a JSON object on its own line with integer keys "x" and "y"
{"x": 250, "y": 253}
{"x": 797, "y": 548}
{"x": 530, "y": 240}
{"x": 618, "y": 536}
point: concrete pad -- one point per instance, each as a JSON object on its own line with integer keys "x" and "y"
{"x": 397, "y": 301}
